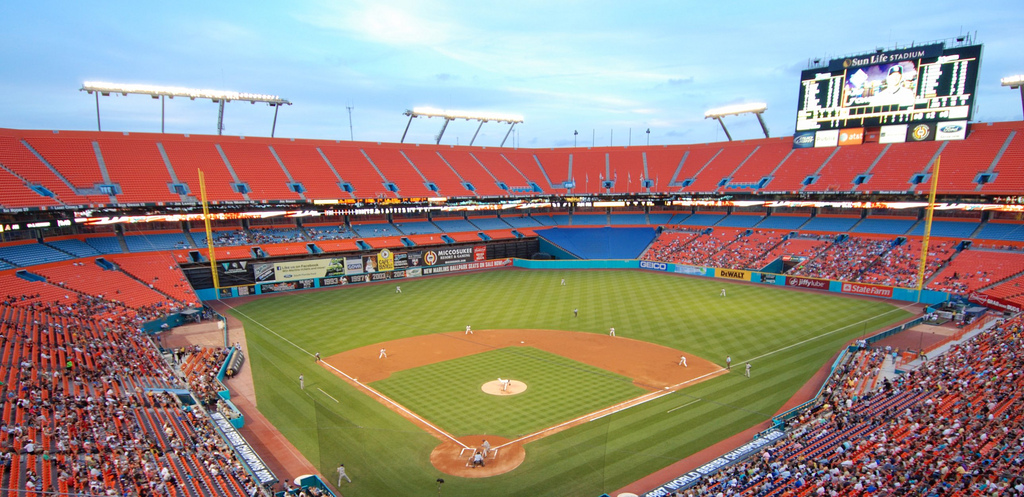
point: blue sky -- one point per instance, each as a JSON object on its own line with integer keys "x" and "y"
{"x": 610, "y": 70}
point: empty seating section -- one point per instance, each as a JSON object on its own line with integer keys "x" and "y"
{"x": 790, "y": 175}
{"x": 556, "y": 164}
{"x": 661, "y": 165}
{"x": 522, "y": 221}
{"x": 417, "y": 227}
{"x": 307, "y": 167}
{"x": 628, "y": 219}
{"x": 794, "y": 247}
{"x": 526, "y": 163}
{"x": 746, "y": 250}
{"x": 489, "y": 223}
{"x": 161, "y": 271}
{"x": 678, "y": 218}
{"x": 834, "y": 224}
{"x": 884, "y": 226}
{"x": 156, "y": 241}
{"x": 279, "y": 249}
{"x": 629, "y": 165}
{"x": 844, "y": 260}
{"x": 721, "y": 167}
{"x": 701, "y": 219}
{"x": 783, "y": 222}
{"x": 456, "y": 225}
{"x": 187, "y": 157}
{"x": 136, "y": 165}
{"x": 962, "y": 160}
{"x": 658, "y": 218}
{"x": 74, "y": 158}
{"x": 18, "y": 158}
{"x": 740, "y": 220}
{"x": 256, "y": 166}
{"x": 948, "y": 229}
{"x": 104, "y": 244}
{"x": 31, "y": 254}
{"x": 557, "y": 220}
{"x": 589, "y": 220}
{"x": 355, "y": 170}
{"x": 1012, "y": 290}
{"x": 898, "y": 165}
{"x": 345, "y": 245}
{"x": 90, "y": 279}
{"x": 1001, "y": 231}
{"x": 589, "y": 167}
{"x": 466, "y": 236}
{"x": 373, "y": 230}
{"x": 768, "y": 156}
{"x": 397, "y": 170}
{"x": 972, "y": 270}
{"x": 437, "y": 172}
{"x": 1009, "y": 175}
{"x": 13, "y": 190}
{"x": 505, "y": 172}
{"x": 844, "y": 167}
{"x": 899, "y": 266}
{"x": 471, "y": 171}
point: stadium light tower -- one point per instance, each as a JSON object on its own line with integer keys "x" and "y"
{"x": 1016, "y": 82}
{"x": 451, "y": 115}
{"x": 161, "y": 92}
{"x": 730, "y": 110}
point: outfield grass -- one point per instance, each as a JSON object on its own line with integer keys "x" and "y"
{"x": 448, "y": 394}
{"x": 788, "y": 335}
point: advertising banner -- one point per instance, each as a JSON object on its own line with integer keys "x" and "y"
{"x": 993, "y": 302}
{"x": 851, "y": 136}
{"x": 864, "y": 289}
{"x": 803, "y": 139}
{"x": 234, "y": 273}
{"x": 656, "y": 266}
{"x": 287, "y": 286}
{"x": 732, "y": 274}
{"x": 726, "y": 460}
{"x": 951, "y": 130}
{"x": 827, "y": 138}
{"x": 353, "y": 265}
{"x": 921, "y": 132}
{"x": 454, "y": 268}
{"x": 449, "y": 256}
{"x": 298, "y": 270}
{"x": 385, "y": 260}
{"x": 807, "y": 283}
{"x": 896, "y": 133}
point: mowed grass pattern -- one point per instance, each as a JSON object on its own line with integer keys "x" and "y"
{"x": 787, "y": 334}
{"x": 448, "y": 394}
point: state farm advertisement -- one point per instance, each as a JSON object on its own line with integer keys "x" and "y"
{"x": 870, "y": 290}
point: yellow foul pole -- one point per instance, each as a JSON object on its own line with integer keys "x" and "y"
{"x": 927, "y": 227}
{"x": 209, "y": 232}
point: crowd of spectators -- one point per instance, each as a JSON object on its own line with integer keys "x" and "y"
{"x": 668, "y": 246}
{"x": 86, "y": 408}
{"x": 746, "y": 249}
{"x": 972, "y": 270}
{"x": 844, "y": 260}
{"x": 899, "y": 266}
{"x": 951, "y": 427}
{"x": 319, "y": 233}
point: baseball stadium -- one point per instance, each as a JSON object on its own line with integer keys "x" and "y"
{"x": 831, "y": 312}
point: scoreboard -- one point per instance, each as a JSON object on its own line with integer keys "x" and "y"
{"x": 924, "y": 84}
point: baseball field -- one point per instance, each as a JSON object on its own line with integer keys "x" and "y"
{"x": 594, "y": 412}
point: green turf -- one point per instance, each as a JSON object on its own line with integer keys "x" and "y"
{"x": 448, "y": 394}
{"x": 788, "y": 335}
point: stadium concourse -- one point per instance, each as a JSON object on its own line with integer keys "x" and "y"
{"x": 93, "y": 403}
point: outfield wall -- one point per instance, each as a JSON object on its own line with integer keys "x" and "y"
{"x": 847, "y": 288}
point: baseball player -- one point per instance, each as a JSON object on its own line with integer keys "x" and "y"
{"x": 383, "y": 354}
{"x": 728, "y": 362}
{"x": 469, "y": 330}
{"x": 682, "y": 361}
{"x": 748, "y": 370}
{"x": 722, "y": 294}
{"x": 302, "y": 382}
{"x": 504, "y": 384}
{"x": 611, "y": 332}
{"x": 342, "y": 474}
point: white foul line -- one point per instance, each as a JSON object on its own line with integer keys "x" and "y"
{"x": 682, "y": 406}
{"x": 328, "y": 395}
{"x": 357, "y": 382}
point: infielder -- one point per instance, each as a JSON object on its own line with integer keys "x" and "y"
{"x": 682, "y": 361}
{"x": 728, "y": 362}
{"x": 611, "y": 332}
{"x": 383, "y": 354}
{"x": 469, "y": 331}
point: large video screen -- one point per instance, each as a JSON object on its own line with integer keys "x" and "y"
{"x": 902, "y": 87}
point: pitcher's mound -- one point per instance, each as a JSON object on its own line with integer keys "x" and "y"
{"x": 495, "y": 387}
{"x": 453, "y": 459}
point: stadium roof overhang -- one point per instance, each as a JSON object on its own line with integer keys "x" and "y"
{"x": 451, "y": 115}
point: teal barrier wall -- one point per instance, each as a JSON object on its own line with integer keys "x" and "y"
{"x": 558, "y": 252}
